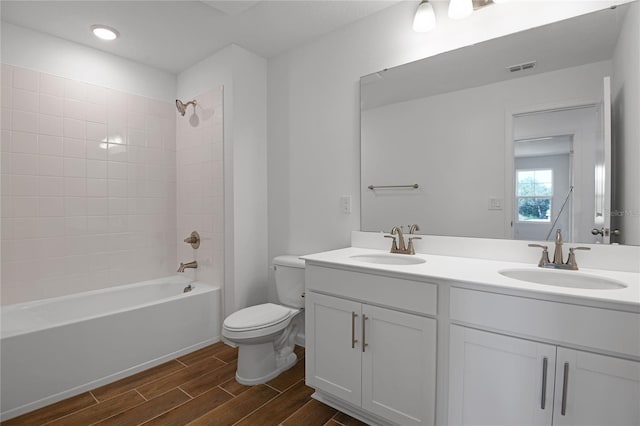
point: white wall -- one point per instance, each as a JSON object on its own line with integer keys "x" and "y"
{"x": 41, "y": 52}
{"x": 313, "y": 132}
{"x": 243, "y": 77}
{"x": 626, "y": 133}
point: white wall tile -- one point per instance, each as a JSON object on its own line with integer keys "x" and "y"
{"x": 51, "y": 186}
{"x": 96, "y": 150}
{"x": 51, "y": 105}
{"x": 23, "y": 164}
{"x": 51, "y": 85}
{"x": 50, "y": 145}
{"x": 25, "y": 100}
{"x": 96, "y": 169}
{"x": 75, "y": 90}
{"x": 75, "y": 167}
{"x": 24, "y": 121}
{"x": 78, "y": 198}
{"x": 25, "y": 79}
{"x": 50, "y": 125}
{"x": 7, "y": 75}
{"x": 75, "y": 109}
{"x": 51, "y": 206}
{"x": 74, "y": 128}
{"x": 24, "y": 142}
{"x": 97, "y": 188}
{"x": 97, "y": 132}
{"x": 75, "y": 148}
{"x": 75, "y": 187}
{"x": 50, "y": 166}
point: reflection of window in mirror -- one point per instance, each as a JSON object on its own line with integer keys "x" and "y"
{"x": 534, "y": 190}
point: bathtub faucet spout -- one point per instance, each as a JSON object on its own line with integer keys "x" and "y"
{"x": 184, "y": 266}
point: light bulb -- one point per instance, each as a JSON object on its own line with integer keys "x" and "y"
{"x": 104, "y": 33}
{"x": 425, "y": 19}
{"x": 459, "y": 9}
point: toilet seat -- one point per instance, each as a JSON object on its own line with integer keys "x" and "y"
{"x": 258, "y": 320}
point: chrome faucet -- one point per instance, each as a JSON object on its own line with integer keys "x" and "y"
{"x": 558, "y": 262}
{"x": 184, "y": 266}
{"x": 397, "y": 246}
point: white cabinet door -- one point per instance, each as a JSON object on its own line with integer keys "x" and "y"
{"x": 334, "y": 362}
{"x": 596, "y": 390}
{"x": 399, "y": 366}
{"x": 499, "y": 380}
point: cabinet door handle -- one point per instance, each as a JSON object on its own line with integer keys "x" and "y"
{"x": 364, "y": 344}
{"x": 565, "y": 385}
{"x": 353, "y": 329}
{"x": 543, "y": 397}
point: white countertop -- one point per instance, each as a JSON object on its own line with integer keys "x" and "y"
{"x": 485, "y": 273}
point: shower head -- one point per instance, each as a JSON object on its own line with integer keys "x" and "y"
{"x": 182, "y": 107}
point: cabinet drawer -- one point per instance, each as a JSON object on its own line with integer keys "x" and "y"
{"x": 607, "y": 330}
{"x": 404, "y": 295}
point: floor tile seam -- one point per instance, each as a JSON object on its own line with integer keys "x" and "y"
{"x": 293, "y": 414}
{"x": 334, "y": 418}
{"x": 271, "y": 387}
{"x": 120, "y": 412}
{"x": 279, "y": 393}
{"x": 165, "y": 411}
{"x": 138, "y": 385}
{"x": 223, "y": 389}
{"x": 182, "y": 382}
{"x": 256, "y": 409}
{"x": 199, "y": 377}
{"x": 71, "y": 413}
{"x": 290, "y": 386}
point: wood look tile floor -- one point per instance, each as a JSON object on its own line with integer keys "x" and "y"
{"x": 195, "y": 389}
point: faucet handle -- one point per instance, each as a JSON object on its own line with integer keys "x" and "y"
{"x": 571, "y": 261}
{"x": 413, "y": 228}
{"x": 394, "y": 245}
{"x": 410, "y": 248}
{"x": 545, "y": 254}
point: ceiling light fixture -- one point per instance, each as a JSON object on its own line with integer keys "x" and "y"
{"x": 104, "y": 32}
{"x": 425, "y": 18}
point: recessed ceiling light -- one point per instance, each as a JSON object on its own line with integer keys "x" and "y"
{"x": 104, "y": 33}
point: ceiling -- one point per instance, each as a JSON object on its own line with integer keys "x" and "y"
{"x": 173, "y": 35}
{"x": 569, "y": 43}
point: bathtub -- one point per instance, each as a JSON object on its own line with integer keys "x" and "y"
{"x": 56, "y": 348}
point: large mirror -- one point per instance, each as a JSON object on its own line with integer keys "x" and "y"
{"x": 511, "y": 138}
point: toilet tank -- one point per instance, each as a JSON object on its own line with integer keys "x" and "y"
{"x": 289, "y": 273}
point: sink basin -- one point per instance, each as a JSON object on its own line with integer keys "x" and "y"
{"x": 572, "y": 279}
{"x": 388, "y": 259}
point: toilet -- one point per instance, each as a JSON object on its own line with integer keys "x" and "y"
{"x": 265, "y": 334}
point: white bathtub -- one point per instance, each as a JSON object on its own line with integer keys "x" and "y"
{"x": 56, "y": 348}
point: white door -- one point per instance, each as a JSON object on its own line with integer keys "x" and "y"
{"x": 333, "y": 359}
{"x": 499, "y": 380}
{"x": 596, "y": 390}
{"x": 399, "y": 366}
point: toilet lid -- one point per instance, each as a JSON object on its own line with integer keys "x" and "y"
{"x": 257, "y": 317}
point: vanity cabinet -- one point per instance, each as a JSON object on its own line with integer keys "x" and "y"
{"x": 502, "y": 380}
{"x": 374, "y": 358}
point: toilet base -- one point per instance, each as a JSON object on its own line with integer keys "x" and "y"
{"x": 257, "y": 363}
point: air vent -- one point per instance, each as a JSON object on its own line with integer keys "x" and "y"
{"x": 521, "y": 67}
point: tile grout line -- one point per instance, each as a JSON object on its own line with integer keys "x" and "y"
{"x": 293, "y": 414}
{"x": 138, "y": 392}
{"x": 257, "y": 408}
{"x": 232, "y": 395}
{"x": 94, "y": 397}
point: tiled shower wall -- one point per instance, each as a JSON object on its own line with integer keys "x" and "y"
{"x": 88, "y": 186}
{"x": 200, "y": 203}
